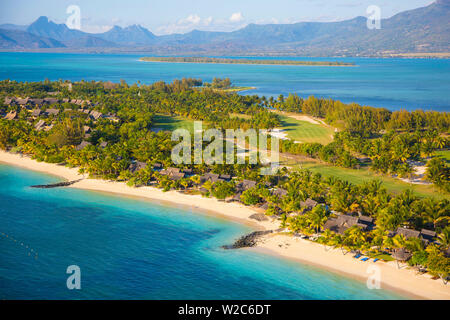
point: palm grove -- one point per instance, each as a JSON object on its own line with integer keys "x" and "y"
{"x": 105, "y": 129}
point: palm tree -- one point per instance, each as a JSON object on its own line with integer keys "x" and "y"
{"x": 329, "y": 238}
{"x": 317, "y": 218}
{"x": 438, "y": 172}
{"x": 444, "y": 238}
{"x": 185, "y": 183}
{"x": 414, "y": 244}
{"x": 399, "y": 241}
{"x": 435, "y": 212}
{"x": 356, "y": 237}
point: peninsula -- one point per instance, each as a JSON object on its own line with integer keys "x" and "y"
{"x": 245, "y": 61}
{"x": 117, "y": 138}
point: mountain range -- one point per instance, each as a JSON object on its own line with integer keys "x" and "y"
{"x": 425, "y": 29}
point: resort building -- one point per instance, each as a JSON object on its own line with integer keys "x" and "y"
{"x": 103, "y": 144}
{"x": 52, "y": 112}
{"x": 173, "y": 173}
{"x": 36, "y": 113}
{"x": 343, "y": 222}
{"x": 11, "y": 115}
{"x": 82, "y": 145}
{"x": 40, "y": 125}
{"x": 280, "y": 192}
{"x": 95, "y": 115}
{"x": 309, "y": 204}
{"x": 136, "y": 166}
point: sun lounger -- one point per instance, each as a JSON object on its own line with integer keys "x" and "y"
{"x": 365, "y": 259}
{"x": 375, "y": 260}
{"x": 357, "y": 256}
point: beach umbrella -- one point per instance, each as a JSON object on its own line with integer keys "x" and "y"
{"x": 401, "y": 255}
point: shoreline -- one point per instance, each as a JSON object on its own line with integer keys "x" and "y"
{"x": 402, "y": 281}
{"x": 256, "y": 64}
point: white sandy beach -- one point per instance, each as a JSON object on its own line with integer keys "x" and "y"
{"x": 402, "y": 280}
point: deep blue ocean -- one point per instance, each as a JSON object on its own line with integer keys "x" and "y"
{"x": 390, "y": 83}
{"x": 133, "y": 249}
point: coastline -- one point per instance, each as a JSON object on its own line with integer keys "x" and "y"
{"x": 256, "y": 64}
{"x": 403, "y": 281}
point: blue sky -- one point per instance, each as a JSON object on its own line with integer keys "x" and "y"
{"x": 169, "y": 16}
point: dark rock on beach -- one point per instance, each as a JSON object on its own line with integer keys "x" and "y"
{"x": 55, "y": 185}
{"x": 249, "y": 240}
{"x": 259, "y": 217}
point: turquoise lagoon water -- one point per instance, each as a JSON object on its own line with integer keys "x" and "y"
{"x": 390, "y": 83}
{"x": 133, "y": 249}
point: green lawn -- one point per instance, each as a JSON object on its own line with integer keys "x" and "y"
{"x": 304, "y": 131}
{"x": 361, "y": 175}
{"x": 168, "y": 123}
{"x": 445, "y": 154}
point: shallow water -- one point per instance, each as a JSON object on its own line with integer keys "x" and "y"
{"x": 132, "y": 249}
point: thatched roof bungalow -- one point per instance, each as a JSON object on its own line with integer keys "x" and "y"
{"x": 95, "y": 115}
{"x": 245, "y": 185}
{"x": 8, "y": 101}
{"x": 36, "y": 113}
{"x": 170, "y": 170}
{"x": 210, "y": 177}
{"x": 52, "y": 112}
{"x": 11, "y": 115}
{"x": 308, "y": 204}
{"x": 136, "y": 166}
{"x": 280, "y": 192}
{"x": 37, "y": 102}
{"x": 365, "y": 220}
{"x": 427, "y": 235}
{"x": 157, "y": 166}
{"x": 40, "y": 125}
{"x": 82, "y": 145}
{"x": 225, "y": 177}
{"x": 51, "y": 100}
{"x": 21, "y": 101}
{"x": 343, "y": 222}
{"x": 401, "y": 254}
{"x": 408, "y": 233}
{"x": 176, "y": 176}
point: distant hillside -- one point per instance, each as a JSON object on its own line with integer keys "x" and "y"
{"x": 132, "y": 35}
{"x": 424, "y": 29}
{"x": 10, "y": 26}
{"x": 43, "y": 27}
{"x": 18, "y": 40}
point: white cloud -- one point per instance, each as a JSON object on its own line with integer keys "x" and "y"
{"x": 95, "y": 28}
{"x": 193, "y": 18}
{"x": 187, "y": 24}
{"x": 236, "y": 17}
{"x": 194, "y": 21}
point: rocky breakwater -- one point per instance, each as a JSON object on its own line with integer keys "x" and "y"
{"x": 56, "y": 185}
{"x": 249, "y": 240}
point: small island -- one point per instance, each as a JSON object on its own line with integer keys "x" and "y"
{"x": 245, "y": 61}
